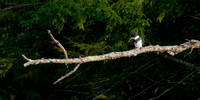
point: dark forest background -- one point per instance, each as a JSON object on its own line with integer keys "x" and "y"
{"x": 95, "y": 27}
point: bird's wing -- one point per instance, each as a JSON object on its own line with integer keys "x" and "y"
{"x": 132, "y": 38}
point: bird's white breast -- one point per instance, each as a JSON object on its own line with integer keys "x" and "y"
{"x": 138, "y": 44}
{"x": 135, "y": 38}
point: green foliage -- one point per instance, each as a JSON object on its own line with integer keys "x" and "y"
{"x": 5, "y": 65}
{"x": 91, "y": 49}
{"x": 93, "y": 27}
{"x": 166, "y": 9}
{"x": 30, "y": 94}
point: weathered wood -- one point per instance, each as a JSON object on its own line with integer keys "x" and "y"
{"x": 172, "y": 50}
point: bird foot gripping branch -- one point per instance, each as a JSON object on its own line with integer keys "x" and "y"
{"x": 172, "y": 50}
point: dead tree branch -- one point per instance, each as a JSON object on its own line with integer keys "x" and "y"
{"x": 19, "y": 6}
{"x": 68, "y": 74}
{"x": 187, "y": 64}
{"x": 172, "y": 50}
{"x": 58, "y": 43}
{"x": 195, "y": 17}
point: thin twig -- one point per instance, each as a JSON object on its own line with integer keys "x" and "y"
{"x": 195, "y": 17}
{"x": 187, "y": 64}
{"x": 173, "y": 86}
{"x": 25, "y": 57}
{"x": 190, "y": 51}
{"x": 144, "y": 90}
{"x": 89, "y": 83}
{"x": 172, "y": 50}
{"x": 80, "y": 73}
{"x": 126, "y": 77}
{"x": 23, "y": 5}
{"x": 58, "y": 43}
{"x": 68, "y": 74}
{"x": 77, "y": 92}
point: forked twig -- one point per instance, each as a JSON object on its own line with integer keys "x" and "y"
{"x": 172, "y": 50}
{"x": 67, "y": 74}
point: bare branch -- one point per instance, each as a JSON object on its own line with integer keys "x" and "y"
{"x": 195, "y": 17}
{"x": 26, "y": 59}
{"x": 189, "y": 65}
{"x": 172, "y": 50}
{"x": 173, "y": 86}
{"x": 8, "y": 4}
{"x": 136, "y": 71}
{"x": 19, "y": 6}
{"x": 144, "y": 90}
{"x": 68, "y": 74}
{"x": 58, "y": 43}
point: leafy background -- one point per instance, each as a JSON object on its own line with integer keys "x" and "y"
{"x": 95, "y": 27}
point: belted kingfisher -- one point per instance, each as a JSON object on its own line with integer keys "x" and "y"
{"x": 137, "y": 40}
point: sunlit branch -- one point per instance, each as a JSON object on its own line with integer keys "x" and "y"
{"x": 172, "y": 50}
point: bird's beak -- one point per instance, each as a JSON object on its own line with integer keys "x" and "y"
{"x": 130, "y": 39}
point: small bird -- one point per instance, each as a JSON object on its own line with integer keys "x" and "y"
{"x": 137, "y": 40}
